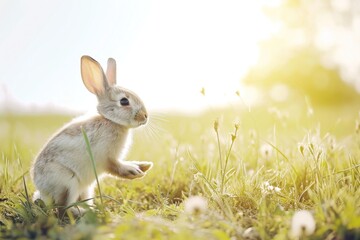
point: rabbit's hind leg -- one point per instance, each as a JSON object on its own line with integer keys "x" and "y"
{"x": 65, "y": 190}
{"x": 87, "y": 195}
{"x": 66, "y": 199}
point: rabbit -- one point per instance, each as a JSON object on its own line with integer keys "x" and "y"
{"x": 62, "y": 172}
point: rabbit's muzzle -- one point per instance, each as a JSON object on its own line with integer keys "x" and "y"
{"x": 141, "y": 117}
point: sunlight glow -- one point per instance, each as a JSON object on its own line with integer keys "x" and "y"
{"x": 181, "y": 51}
{"x": 166, "y": 51}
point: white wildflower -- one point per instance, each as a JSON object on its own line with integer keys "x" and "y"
{"x": 266, "y": 188}
{"x": 196, "y": 205}
{"x": 302, "y": 224}
{"x": 266, "y": 151}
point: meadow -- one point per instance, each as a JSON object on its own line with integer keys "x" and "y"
{"x": 233, "y": 173}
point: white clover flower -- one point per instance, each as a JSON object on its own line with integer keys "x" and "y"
{"x": 302, "y": 224}
{"x": 196, "y": 205}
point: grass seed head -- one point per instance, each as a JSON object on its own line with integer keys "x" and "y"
{"x": 216, "y": 125}
{"x": 301, "y": 149}
{"x": 236, "y": 125}
{"x": 233, "y": 137}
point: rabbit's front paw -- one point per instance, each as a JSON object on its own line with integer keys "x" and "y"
{"x": 144, "y": 166}
{"x": 133, "y": 169}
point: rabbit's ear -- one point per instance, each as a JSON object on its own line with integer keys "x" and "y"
{"x": 111, "y": 71}
{"x": 93, "y": 75}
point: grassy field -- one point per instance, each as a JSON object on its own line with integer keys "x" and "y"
{"x": 221, "y": 174}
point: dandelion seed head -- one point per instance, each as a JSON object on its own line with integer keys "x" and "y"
{"x": 196, "y": 205}
{"x": 266, "y": 151}
{"x": 302, "y": 224}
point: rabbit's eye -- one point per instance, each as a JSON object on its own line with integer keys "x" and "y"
{"x": 124, "y": 102}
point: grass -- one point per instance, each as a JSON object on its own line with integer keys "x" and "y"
{"x": 254, "y": 169}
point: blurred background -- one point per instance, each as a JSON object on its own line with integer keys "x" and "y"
{"x": 181, "y": 56}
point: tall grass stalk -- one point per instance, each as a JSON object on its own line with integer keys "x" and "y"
{"x": 6, "y": 178}
{"x": 216, "y": 128}
{"x": 224, "y": 173}
{"x": 283, "y": 155}
{"x": 23, "y": 177}
{"x": 88, "y": 148}
{"x": 209, "y": 185}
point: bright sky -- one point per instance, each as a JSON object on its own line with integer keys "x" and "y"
{"x": 166, "y": 51}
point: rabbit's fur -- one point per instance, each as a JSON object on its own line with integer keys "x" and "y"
{"x": 63, "y": 172}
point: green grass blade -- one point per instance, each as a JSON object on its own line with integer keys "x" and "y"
{"x": 88, "y": 148}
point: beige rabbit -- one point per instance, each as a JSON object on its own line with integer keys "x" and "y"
{"x": 63, "y": 172}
